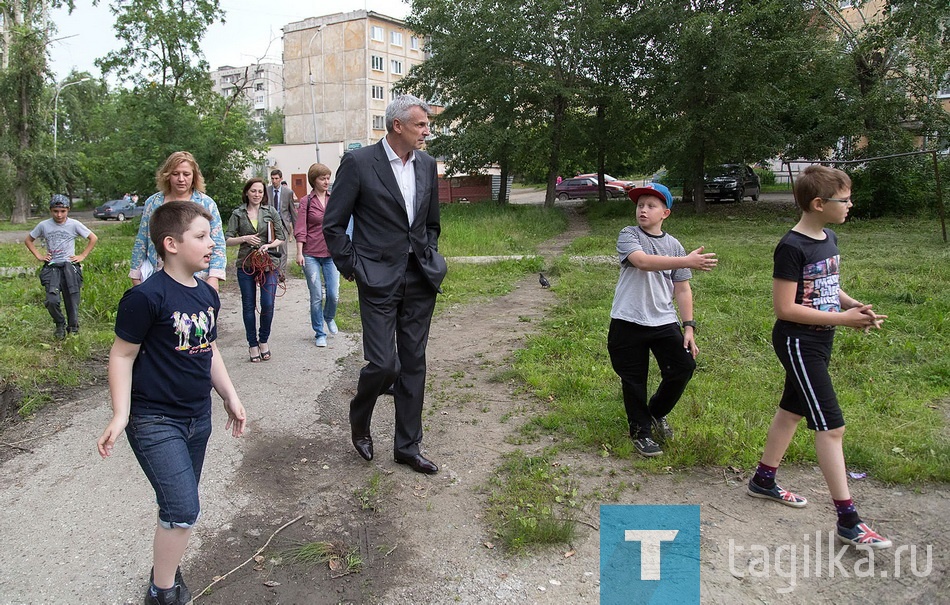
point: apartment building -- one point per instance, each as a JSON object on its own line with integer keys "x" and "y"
{"x": 339, "y": 71}
{"x": 261, "y": 85}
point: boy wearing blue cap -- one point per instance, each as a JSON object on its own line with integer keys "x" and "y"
{"x": 61, "y": 275}
{"x": 654, "y": 271}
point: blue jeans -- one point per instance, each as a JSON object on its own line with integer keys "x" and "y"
{"x": 171, "y": 451}
{"x": 313, "y": 266}
{"x": 249, "y": 305}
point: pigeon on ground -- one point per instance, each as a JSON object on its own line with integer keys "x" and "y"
{"x": 543, "y": 281}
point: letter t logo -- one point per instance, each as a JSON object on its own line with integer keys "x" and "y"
{"x": 649, "y": 540}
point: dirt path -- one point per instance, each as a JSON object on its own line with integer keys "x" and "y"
{"x": 422, "y": 539}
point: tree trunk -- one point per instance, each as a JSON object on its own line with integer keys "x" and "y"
{"x": 601, "y": 154}
{"x": 503, "y": 183}
{"x": 698, "y": 177}
{"x": 559, "y": 108}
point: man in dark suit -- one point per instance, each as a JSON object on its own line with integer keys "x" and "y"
{"x": 391, "y": 190}
{"x": 283, "y": 200}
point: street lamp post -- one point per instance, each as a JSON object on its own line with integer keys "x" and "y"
{"x": 313, "y": 107}
{"x": 59, "y": 88}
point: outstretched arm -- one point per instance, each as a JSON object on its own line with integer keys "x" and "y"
{"x": 655, "y": 262}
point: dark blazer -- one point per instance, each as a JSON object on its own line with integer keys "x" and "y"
{"x": 366, "y": 189}
{"x": 287, "y": 211}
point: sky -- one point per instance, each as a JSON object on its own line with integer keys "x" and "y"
{"x": 249, "y": 34}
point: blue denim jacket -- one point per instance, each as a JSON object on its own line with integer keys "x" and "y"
{"x": 144, "y": 249}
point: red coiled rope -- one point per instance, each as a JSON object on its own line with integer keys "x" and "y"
{"x": 258, "y": 264}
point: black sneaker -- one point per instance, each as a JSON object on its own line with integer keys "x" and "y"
{"x": 172, "y": 596}
{"x": 646, "y": 446}
{"x": 60, "y": 332}
{"x": 662, "y": 430}
{"x": 184, "y": 595}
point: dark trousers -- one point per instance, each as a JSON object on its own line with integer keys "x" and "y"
{"x": 63, "y": 283}
{"x": 399, "y": 323}
{"x": 629, "y": 345}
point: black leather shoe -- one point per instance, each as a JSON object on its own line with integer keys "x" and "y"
{"x": 364, "y": 446}
{"x": 420, "y": 464}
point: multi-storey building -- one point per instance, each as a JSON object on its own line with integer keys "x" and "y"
{"x": 339, "y": 71}
{"x": 261, "y": 84}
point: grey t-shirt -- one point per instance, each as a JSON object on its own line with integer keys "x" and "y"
{"x": 60, "y": 239}
{"x": 646, "y": 297}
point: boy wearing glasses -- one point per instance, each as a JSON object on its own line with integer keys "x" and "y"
{"x": 809, "y": 303}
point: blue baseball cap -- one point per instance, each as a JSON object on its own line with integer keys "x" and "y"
{"x": 655, "y": 189}
{"x": 59, "y": 201}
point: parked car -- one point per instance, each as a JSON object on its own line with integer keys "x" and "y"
{"x": 608, "y": 179}
{"x": 583, "y": 187}
{"x": 732, "y": 182}
{"x": 118, "y": 209}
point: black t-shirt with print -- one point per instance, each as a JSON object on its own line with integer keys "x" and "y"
{"x": 813, "y": 265}
{"x": 175, "y": 326}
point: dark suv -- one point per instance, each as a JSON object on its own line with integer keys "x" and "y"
{"x": 731, "y": 182}
{"x": 585, "y": 187}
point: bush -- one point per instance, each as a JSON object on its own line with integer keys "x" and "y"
{"x": 896, "y": 187}
{"x": 766, "y": 176}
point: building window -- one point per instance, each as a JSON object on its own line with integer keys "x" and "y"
{"x": 845, "y": 3}
{"x": 396, "y": 67}
{"x": 260, "y": 98}
{"x": 395, "y": 38}
{"x": 379, "y": 123}
{"x": 413, "y": 42}
{"x": 259, "y": 86}
{"x": 377, "y": 63}
{"x": 378, "y": 93}
{"x": 377, "y": 33}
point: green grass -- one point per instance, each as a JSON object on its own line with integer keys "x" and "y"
{"x": 30, "y": 358}
{"x": 892, "y": 384}
{"x": 340, "y": 558}
{"x": 531, "y": 502}
{"x": 478, "y": 230}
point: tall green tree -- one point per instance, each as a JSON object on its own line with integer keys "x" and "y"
{"x": 171, "y": 105}
{"x": 722, "y": 79}
{"x": 23, "y": 68}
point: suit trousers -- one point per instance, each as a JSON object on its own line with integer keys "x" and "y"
{"x": 397, "y": 326}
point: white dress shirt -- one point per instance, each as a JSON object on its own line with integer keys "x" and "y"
{"x": 405, "y": 177}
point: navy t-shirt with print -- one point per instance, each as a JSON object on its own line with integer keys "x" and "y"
{"x": 813, "y": 264}
{"x": 175, "y": 326}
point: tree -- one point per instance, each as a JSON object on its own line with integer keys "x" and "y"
{"x": 172, "y": 106}
{"x": 22, "y": 72}
{"x": 722, "y": 80}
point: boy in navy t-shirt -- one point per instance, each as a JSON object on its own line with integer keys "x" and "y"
{"x": 162, "y": 367}
{"x": 809, "y": 303}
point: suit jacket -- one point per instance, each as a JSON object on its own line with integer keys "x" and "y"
{"x": 288, "y": 213}
{"x": 376, "y": 255}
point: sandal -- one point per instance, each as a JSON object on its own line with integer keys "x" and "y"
{"x": 265, "y": 355}
{"x": 254, "y": 358}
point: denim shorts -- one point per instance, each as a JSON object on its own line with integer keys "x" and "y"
{"x": 171, "y": 451}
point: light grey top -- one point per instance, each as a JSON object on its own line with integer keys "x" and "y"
{"x": 60, "y": 239}
{"x": 646, "y": 297}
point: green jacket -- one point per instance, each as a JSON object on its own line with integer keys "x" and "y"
{"x": 239, "y": 224}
